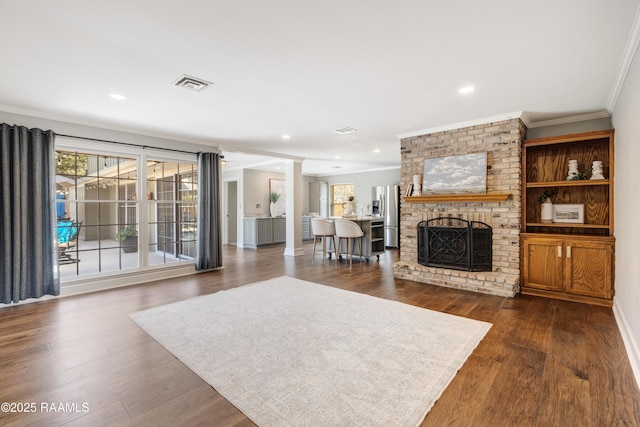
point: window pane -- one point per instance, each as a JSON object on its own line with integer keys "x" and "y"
{"x": 339, "y": 195}
{"x": 97, "y": 194}
{"x": 173, "y": 211}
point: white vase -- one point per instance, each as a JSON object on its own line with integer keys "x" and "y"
{"x": 596, "y": 170}
{"x": 272, "y": 209}
{"x": 349, "y": 208}
{"x": 546, "y": 212}
{"x": 573, "y": 170}
{"x": 417, "y": 185}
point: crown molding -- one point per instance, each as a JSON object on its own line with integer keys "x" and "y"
{"x": 627, "y": 58}
{"x": 570, "y": 119}
{"x": 460, "y": 125}
{"x": 102, "y": 126}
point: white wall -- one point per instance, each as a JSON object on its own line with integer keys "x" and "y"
{"x": 627, "y": 205}
{"x": 256, "y": 190}
{"x": 362, "y": 183}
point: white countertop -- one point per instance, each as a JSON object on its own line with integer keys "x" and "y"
{"x": 358, "y": 218}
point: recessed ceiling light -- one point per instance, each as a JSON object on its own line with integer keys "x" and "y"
{"x": 278, "y": 167}
{"x": 337, "y": 157}
{"x": 466, "y": 89}
{"x": 117, "y": 96}
{"x": 286, "y": 136}
{"x": 377, "y": 150}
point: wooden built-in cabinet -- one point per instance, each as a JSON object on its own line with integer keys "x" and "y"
{"x": 570, "y": 261}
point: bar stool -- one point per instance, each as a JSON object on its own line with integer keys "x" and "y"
{"x": 351, "y": 231}
{"x": 323, "y": 229}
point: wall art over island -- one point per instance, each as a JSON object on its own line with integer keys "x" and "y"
{"x": 455, "y": 174}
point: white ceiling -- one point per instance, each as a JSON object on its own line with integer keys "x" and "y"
{"x": 305, "y": 68}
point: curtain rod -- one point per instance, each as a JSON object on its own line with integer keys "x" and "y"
{"x": 125, "y": 143}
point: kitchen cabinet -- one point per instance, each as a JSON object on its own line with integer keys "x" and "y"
{"x": 307, "y": 233}
{"x": 260, "y": 231}
{"x": 568, "y": 260}
{"x": 279, "y": 230}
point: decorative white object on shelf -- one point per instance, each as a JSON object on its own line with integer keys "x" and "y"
{"x": 350, "y": 208}
{"x": 546, "y": 213}
{"x": 596, "y": 170}
{"x": 417, "y": 185}
{"x": 573, "y": 170}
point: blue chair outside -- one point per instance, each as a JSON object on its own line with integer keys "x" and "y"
{"x": 67, "y": 237}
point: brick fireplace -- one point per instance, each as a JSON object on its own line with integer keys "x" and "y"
{"x": 502, "y": 142}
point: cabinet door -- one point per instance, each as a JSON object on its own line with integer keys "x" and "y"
{"x": 543, "y": 263}
{"x": 588, "y": 268}
{"x": 279, "y": 230}
{"x": 264, "y": 232}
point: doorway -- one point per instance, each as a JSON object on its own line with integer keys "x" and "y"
{"x": 231, "y": 214}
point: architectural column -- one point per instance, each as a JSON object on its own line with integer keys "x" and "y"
{"x": 294, "y": 208}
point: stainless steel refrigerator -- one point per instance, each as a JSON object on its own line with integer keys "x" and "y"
{"x": 388, "y": 202}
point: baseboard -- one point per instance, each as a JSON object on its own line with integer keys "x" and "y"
{"x": 633, "y": 352}
{"x": 126, "y": 279}
{"x": 293, "y": 251}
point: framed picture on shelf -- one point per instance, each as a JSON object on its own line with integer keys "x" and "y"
{"x": 568, "y": 213}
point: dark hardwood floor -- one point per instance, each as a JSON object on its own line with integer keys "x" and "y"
{"x": 543, "y": 363}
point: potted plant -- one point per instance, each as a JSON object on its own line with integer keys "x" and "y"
{"x": 547, "y": 194}
{"x": 128, "y": 238}
{"x": 273, "y": 198}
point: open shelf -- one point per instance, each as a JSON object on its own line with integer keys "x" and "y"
{"x": 578, "y": 183}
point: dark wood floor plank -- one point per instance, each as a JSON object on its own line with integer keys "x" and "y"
{"x": 472, "y": 386}
{"x": 542, "y": 363}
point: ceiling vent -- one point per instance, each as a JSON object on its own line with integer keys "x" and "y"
{"x": 192, "y": 83}
{"x": 345, "y": 130}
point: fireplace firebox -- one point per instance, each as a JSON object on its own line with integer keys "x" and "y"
{"x": 455, "y": 243}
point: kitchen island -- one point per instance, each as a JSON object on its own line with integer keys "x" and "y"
{"x": 373, "y": 239}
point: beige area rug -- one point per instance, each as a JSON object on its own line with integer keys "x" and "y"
{"x": 287, "y": 352}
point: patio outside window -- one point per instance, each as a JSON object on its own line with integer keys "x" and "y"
{"x": 98, "y": 196}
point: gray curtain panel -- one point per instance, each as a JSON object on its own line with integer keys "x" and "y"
{"x": 27, "y": 252}
{"x": 209, "y": 254}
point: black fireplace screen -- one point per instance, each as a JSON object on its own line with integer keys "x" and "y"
{"x": 455, "y": 243}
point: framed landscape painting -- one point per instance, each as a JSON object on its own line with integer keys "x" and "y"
{"x": 455, "y": 174}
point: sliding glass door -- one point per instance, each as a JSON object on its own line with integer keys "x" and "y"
{"x": 174, "y": 219}
{"x": 123, "y": 211}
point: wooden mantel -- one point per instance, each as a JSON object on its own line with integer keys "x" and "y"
{"x": 462, "y": 198}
